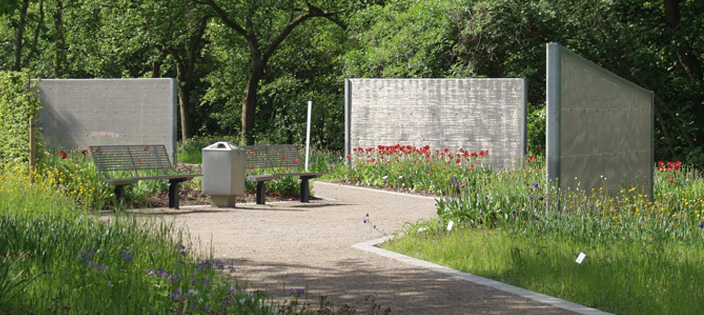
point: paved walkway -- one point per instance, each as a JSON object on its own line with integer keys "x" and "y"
{"x": 284, "y": 245}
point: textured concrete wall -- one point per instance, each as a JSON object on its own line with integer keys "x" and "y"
{"x": 602, "y": 126}
{"x": 77, "y": 113}
{"x": 474, "y": 114}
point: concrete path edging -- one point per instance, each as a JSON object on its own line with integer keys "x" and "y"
{"x": 371, "y": 246}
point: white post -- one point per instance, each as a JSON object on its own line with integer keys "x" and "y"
{"x": 310, "y": 105}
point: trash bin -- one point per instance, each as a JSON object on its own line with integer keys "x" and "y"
{"x": 223, "y": 173}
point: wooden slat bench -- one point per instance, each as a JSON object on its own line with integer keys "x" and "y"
{"x": 269, "y": 157}
{"x": 133, "y": 158}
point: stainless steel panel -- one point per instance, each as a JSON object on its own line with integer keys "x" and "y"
{"x": 474, "y": 114}
{"x": 605, "y": 126}
{"x": 79, "y": 112}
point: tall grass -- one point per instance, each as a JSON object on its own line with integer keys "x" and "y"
{"x": 642, "y": 250}
{"x": 57, "y": 257}
{"x": 619, "y": 276}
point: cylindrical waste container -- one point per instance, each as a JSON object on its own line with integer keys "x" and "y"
{"x": 223, "y": 173}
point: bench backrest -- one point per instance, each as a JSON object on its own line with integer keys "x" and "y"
{"x": 270, "y": 156}
{"x": 129, "y": 158}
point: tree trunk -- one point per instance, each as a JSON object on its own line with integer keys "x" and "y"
{"x": 156, "y": 69}
{"x": 59, "y": 27}
{"x": 687, "y": 58}
{"x": 184, "y": 97}
{"x": 249, "y": 103}
{"x": 19, "y": 36}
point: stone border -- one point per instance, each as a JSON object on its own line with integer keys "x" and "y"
{"x": 371, "y": 246}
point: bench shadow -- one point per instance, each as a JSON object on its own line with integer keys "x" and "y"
{"x": 269, "y": 207}
{"x": 356, "y": 282}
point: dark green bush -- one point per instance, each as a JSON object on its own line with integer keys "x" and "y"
{"x": 17, "y": 105}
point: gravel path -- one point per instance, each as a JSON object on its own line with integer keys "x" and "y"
{"x": 284, "y": 245}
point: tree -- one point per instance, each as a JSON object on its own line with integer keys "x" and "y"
{"x": 264, "y": 26}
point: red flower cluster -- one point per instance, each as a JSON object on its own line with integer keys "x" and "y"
{"x": 669, "y": 166}
{"x": 425, "y": 150}
{"x": 63, "y": 154}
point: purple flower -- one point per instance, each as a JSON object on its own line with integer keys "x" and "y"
{"x": 701, "y": 225}
{"x": 530, "y": 197}
{"x": 298, "y": 292}
{"x": 126, "y": 256}
{"x": 481, "y": 212}
{"x": 535, "y": 185}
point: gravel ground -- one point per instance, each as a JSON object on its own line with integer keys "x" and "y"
{"x": 292, "y": 245}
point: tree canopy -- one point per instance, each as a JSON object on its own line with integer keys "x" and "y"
{"x": 247, "y": 68}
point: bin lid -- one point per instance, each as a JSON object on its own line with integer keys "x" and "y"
{"x": 222, "y": 146}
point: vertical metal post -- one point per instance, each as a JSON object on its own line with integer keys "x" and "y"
{"x": 348, "y": 151}
{"x": 310, "y": 105}
{"x": 552, "y": 121}
{"x": 524, "y": 119}
{"x": 652, "y": 145}
{"x": 174, "y": 121}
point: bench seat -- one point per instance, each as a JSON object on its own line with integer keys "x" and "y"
{"x": 270, "y": 157}
{"x": 133, "y": 158}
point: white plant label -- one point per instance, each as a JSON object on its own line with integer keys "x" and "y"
{"x": 450, "y": 225}
{"x": 581, "y": 257}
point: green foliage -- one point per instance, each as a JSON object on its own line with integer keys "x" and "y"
{"x": 634, "y": 243}
{"x": 59, "y": 259}
{"x": 619, "y": 276}
{"x": 535, "y": 123}
{"x": 404, "y": 39}
{"x": 17, "y": 105}
{"x": 488, "y": 38}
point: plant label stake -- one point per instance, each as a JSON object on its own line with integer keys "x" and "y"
{"x": 580, "y": 258}
{"x": 450, "y": 225}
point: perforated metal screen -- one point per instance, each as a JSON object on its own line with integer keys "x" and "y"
{"x": 474, "y": 114}
{"x": 77, "y": 113}
{"x": 599, "y": 126}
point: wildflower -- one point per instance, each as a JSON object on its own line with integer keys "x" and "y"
{"x": 701, "y": 225}
{"x": 481, "y": 212}
{"x": 84, "y": 152}
{"x": 126, "y": 256}
{"x": 63, "y": 154}
{"x": 535, "y": 185}
{"x": 298, "y": 292}
{"x": 349, "y": 156}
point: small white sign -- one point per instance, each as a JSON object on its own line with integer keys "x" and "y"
{"x": 581, "y": 257}
{"x": 450, "y": 225}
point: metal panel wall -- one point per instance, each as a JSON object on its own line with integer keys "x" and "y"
{"x": 474, "y": 114}
{"x": 600, "y": 126}
{"x": 77, "y": 113}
